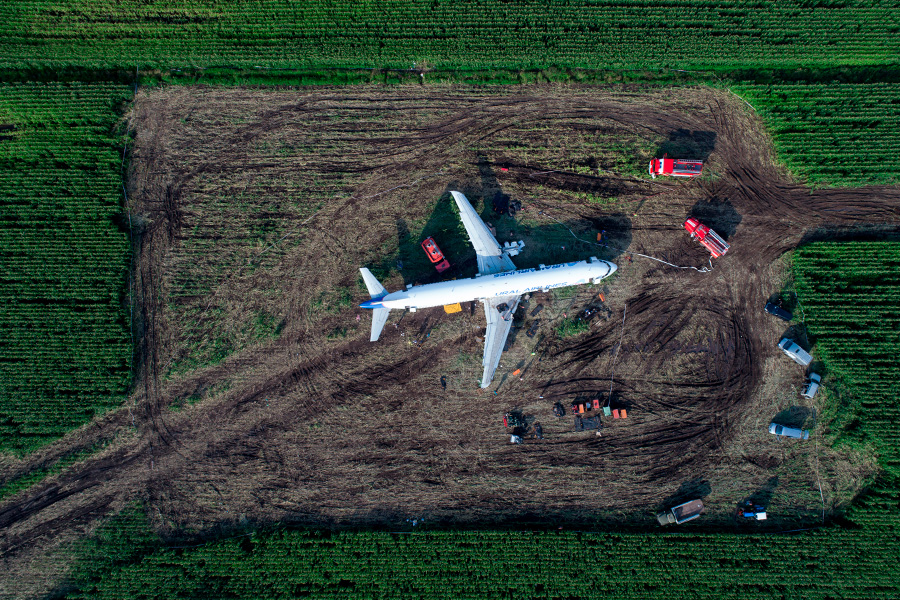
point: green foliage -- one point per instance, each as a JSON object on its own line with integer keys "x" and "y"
{"x": 417, "y": 34}
{"x": 850, "y": 297}
{"x": 832, "y": 134}
{"x": 572, "y": 326}
{"x": 66, "y": 347}
{"x": 831, "y": 563}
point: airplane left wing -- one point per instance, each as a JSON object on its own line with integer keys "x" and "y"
{"x": 498, "y": 325}
{"x": 491, "y": 258}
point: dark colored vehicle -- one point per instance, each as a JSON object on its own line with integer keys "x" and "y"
{"x": 587, "y": 423}
{"x": 774, "y": 309}
{"x": 435, "y": 255}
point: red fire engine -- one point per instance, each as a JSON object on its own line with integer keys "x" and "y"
{"x": 706, "y": 236}
{"x": 675, "y": 167}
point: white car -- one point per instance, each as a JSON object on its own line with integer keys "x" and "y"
{"x": 797, "y": 354}
{"x": 800, "y": 434}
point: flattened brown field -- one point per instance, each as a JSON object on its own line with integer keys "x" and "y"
{"x": 261, "y": 399}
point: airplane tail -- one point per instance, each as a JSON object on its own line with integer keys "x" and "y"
{"x": 379, "y": 313}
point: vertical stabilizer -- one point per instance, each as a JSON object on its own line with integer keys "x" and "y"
{"x": 376, "y": 290}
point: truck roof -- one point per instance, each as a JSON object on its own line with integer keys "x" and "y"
{"x": 688, "y": 510}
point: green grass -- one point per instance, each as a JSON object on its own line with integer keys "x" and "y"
{"x": 410, "y": 34}
{"x": 571, "y": 327}
{"x": 65, "y": 346}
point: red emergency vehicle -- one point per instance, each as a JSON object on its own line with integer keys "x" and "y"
{"x": 706, "y": 236}
{"x": 435, "y": 255}
{"x": 675, "y": 167}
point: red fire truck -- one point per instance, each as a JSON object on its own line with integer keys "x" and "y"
{"x": 435, "y": 255}
{"x": 675, "y": 167}
{"x": 706, "y": 236}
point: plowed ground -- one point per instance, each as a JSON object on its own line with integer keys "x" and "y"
{"x": 261, "y": 399}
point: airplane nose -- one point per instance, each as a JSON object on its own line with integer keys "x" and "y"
{"x": 612, "y": 269}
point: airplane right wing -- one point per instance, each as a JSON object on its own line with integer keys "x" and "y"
{"x": 498, "y": 326}
{"x": 491, "y": 258}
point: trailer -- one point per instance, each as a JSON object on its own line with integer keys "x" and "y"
{"x": 707, "y": 237}
{"x": 681, "y": 513}
{"x": 675, "y": 167}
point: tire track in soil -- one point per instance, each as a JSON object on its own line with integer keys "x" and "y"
{"x": 775, "y": 212}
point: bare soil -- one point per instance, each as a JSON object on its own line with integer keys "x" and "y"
{"x": 260, "y": 398}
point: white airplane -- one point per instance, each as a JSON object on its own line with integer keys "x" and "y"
{"x": 498, "y": 286}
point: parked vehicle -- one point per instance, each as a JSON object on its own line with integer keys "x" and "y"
{"x": 675, "y": 167}
{"x": 706, "y": 236}
{"x": 681, "y": 513}
{"x": 774, "y": 309}
{"x": 812, "y": 386}
{"x": 752, "y": 511}
{"x": 795, "y": 352}
{"x": 435, "y": 255}
{"x": 800, "y": 434}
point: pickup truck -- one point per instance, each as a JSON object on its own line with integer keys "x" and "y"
{"x": 797, "y": 354}
{"x": 681, "y": 513}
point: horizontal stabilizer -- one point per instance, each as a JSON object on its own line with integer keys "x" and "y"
{"x": 376, "y": 290}
{"x": 379, "y": 318}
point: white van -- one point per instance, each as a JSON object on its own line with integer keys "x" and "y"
{"x": 812, "y": 386}
{"x": 797, "y": 354}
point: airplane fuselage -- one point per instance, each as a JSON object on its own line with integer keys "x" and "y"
{"x": 508, "y": 283}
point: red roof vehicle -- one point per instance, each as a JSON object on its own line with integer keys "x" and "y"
{"x": 435, "y": 255}
{"x": 706, "y": 236}
{"x": 675, "y": 167}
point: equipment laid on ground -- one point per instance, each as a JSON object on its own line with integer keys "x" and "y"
{"x": 587, "y": 423}
{"x": 675, "y": 167}
{"x": 533, "y": 329}
{"x": 752, "y": 511}
{"x": 681, "y": 513}
{"x": 435, "y": 255}
{"x": 513, "y": 419}
{"x": 582, "y": 406}
{"x": 812, "y": 387}
{"x": 706, "y": 236}
{"x": 537, "y": 309}
{"x": 797, "y": 354}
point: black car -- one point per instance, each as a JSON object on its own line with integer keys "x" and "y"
{"x": 774, "y": 309}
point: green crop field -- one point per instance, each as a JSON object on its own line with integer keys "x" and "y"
{"x": 833, "y": 134}
{"x": 580, "y": 33}
{"x": 65, "y": 347}
{"x": 850, "y": 295}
